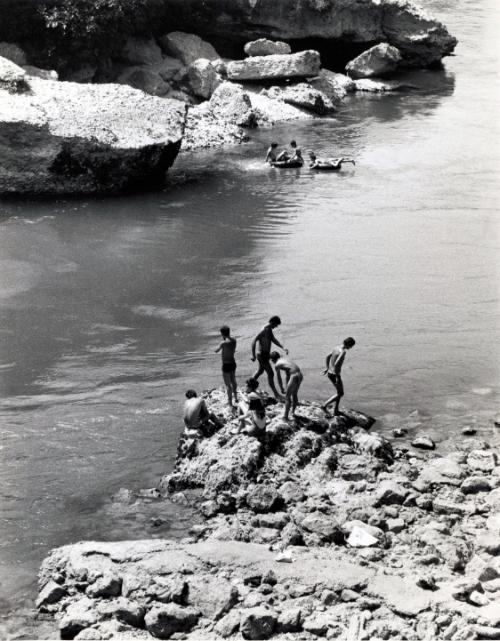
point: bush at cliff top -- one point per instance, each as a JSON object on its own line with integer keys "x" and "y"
{"x": 67, "y": 33}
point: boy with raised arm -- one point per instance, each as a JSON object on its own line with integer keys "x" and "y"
{"x": 294, "y": 378}
{"x": 228, "y": 347}
{"x": 265, "y": 338}
{"x": 334, "y": 361}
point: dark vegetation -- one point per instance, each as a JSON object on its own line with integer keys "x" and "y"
{"x": 62, "y": 33}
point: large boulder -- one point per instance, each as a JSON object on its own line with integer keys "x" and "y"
{"x": 12, "y": 77}
{"x": 187, "y": 47}
{"x": 421, "y": 39}
{"x": 266, "y": 47}
{"x": 13, "y": 52}
{"x": 297, "y": 65}
{"x": 141, "y": 51}
{"x": 232, "y": 103}
{"x": 165, "y": 620}
{"x": 334, "y": 85}
{"x": 303, "y": 95}
{"x": 379, "y": 60}
{"x": 71, "y": 138}
{"x": 144, "y": 78}
{"x": 203, "y": 79}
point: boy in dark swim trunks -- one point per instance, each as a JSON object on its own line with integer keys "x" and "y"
{"x": 334, "y": 362}
{"x": 265, "y": 338}
{"x": 228, "y": 347}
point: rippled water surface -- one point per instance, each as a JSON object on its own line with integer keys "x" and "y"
{"x": 110, "y": 308}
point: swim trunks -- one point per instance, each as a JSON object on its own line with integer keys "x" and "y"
{"x": 337, "y": 382}
{"x": 228, "y": 368}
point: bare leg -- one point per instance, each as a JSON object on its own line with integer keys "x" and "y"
{"x": 339, "y": 387}
{"x": 259, "y": 372}
{"x": 228, "y": 383}
{"x": 234, "y": 386}
{"x": 270, "y": 380}
{"x": 291, "y": 395}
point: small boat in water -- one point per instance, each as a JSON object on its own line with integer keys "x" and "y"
{"x": 330, "y": 164}
{"x": 287, "y": 164}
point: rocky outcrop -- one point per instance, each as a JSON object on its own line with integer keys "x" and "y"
{"x": 70, "y": 138}
{"x": 334, "y": 85}
{"x": 221, "y": 120}
{"x": 187, "y": 47}
{"x": 265, "y": 47}
{"x": 269, "y": 67}
{"x": 319, "y": 530}
{"x": 305, "y": 96}
{"x": 333, "y": 23}
{"x": 203, "y": 78}
{"x": 380, "y": 60}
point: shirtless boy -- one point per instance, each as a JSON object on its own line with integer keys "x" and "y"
{"x": 265, "y": 338}
{"x": 271, "y": 153}
{"x": 294, "y": 378}
{"x": 294, "y": 154}
{"x": 198, "y": 420}
{"x": 228, "y": 347}
{"x": 334, "y": 362}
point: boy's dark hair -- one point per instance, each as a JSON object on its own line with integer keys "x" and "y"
{"x": 275, "y": 320}
{"x": 275, "y": 356}
{"x": 293, "y": 143}
{"x": 349, "y": 341}
{"x": 224, "y": 330}
{"x": 191, "y": 393}
{"x": 274, "y": 144}
{"x": 252, "y": 383}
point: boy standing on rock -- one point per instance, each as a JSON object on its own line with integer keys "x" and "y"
{"x": 265, "y": 338}
{"x": 334, "y": 362}
{"x": 228, "y": 347}
{"x": 294, "y": 378}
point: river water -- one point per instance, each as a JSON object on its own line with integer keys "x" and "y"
{"x": 110, "y": 308}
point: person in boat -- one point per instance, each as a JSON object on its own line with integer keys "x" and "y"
{"x": 272, "y": 153}
{"x": 264, "y": 339}
{"x": 252, "y": 412}
{"x": 198, "y": 420}
{"x": 292, "y": 155}
{"x": 330, "y": 163}
{"x": 334, "y": 361}
{"x": 227, "y": 348}
{"x": 294, "y": 378}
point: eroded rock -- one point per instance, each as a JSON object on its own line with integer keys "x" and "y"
{"x": 380, "y": 60}
{"x": 266, "y": 47}
{"x": 297, "y": 65}
{"x": 71, "y": 138}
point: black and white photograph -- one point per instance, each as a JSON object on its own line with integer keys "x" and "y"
{"x": 250, "y": 320}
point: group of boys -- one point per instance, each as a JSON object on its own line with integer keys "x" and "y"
{"x": 293, "y": 154}
{"x": 199, "y": 419}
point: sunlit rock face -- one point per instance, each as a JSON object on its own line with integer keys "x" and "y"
{"x": 73, "y": 138}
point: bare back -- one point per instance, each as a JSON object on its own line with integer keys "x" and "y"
{"x": 336, "y": 360}
{"x": 265, "y": 339}
{"x": 228, "y": 347}
{"x": 288, "y": 366}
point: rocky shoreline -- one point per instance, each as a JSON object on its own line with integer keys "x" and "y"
{"x": 116, "y": 123}
{"x": 326, "y": 529}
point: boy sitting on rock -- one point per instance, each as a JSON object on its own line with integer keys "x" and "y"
{"x": 199, "y": 421}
